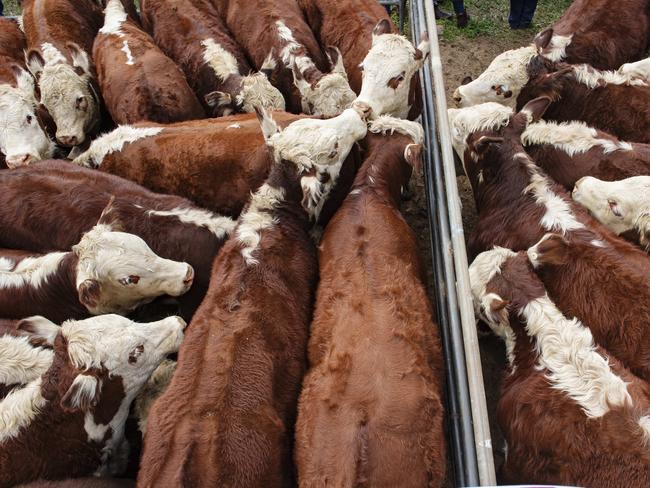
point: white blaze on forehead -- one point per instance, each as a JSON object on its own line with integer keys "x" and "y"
{"x": 639, "y": 69}
{"x": 113, "y": 142}
{"x": 593, "y": 78}
{"x": 257, "y": 217}
{"x": 32, "y": 272}
{"x": 558, "y": 216}
{"x": 219, "y": 59}
{"x": 218, "y": 225}
{"x": 19, "y": 408}
{"x": 114, "y": 17}
{"x": 20, "y": 361}
{"x": 509, "y": 69}
{"x": 466, "y": 121}
{"x": 567, "y": 350}
{"x": 570, "y": 137}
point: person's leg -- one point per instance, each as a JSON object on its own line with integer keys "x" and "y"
{"x": 527, "y": 12}
{"x": 462, "y": 18}
{"x": 1, "y": 8}
{"x": 516, "y": 7}
{"x": 439, "y": 13}
{"x": 459, "y": 6}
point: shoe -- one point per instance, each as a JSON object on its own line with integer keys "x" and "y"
{"x": 462, "y": 20}
{"x": 441, "y": 14}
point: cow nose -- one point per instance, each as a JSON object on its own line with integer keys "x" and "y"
{"x": 189, "y": 277}
{"x": 68, "y": 141}
{"x": 457, "y": 98}
{"x": 20, "y": 160}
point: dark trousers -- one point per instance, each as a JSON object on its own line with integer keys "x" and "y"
{"x": 521, "y": 12}
{"x": 459, "y": 6}
{"x": 2, "y": 7}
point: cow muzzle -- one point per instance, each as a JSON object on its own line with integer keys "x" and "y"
{"x": 20, "y": 160}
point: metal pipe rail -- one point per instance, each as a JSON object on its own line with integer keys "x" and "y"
{"x": 469, "y": 430}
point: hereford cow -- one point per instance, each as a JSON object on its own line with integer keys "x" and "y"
{"x": 213, "y": 62}
{"x": 640, "y": 69}
{"x": 622, "y": 206}
{"x": 277, "y": 28}
{"x": 566, "y": 151}
{"x": 49, "y": 206}
{"x": 518, "y": 205}
{"x": 70, "y": 421}
{"x": 244, "y": 356}
{"x": 586, "y": 33}
{"x": 106, "y": 272}
{"x": 23, "y": 138}
{"x": 377, "y": 326}
{"x": 215, "y": 163}
{"x": 137, "y": 80}
{"x": 389, "y": 69}
{"x": 82, "y": 483}
{"x": 571, "y": 413}
{"x": 60, "y": 37}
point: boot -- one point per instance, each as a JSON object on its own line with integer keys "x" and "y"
{"x": 441, "y": 14}
{"x": 462, "y": 20}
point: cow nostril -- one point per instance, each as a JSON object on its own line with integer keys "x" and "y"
{"x": 68, "y": 140}
{"x": 189, "y": 277}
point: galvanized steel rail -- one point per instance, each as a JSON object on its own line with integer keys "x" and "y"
{"x": 469, "y": 431}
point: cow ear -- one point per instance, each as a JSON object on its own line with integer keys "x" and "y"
{"x": 552, "y": 249}
{"x": 336, "y": 60}
{"x": 40, "y": 330}
{"x": 496, "y": 308}
{"x": 413, "y": 154}
{"x": 269, "y": 127}
{"x": 24, "y": 80}
{"x": 109, "y": 216}
{"x": 217, "y": 99}
{"x": 269, "y": 64}
{"x": 485, "y": 142}
{"x": 35, "y": 62}
{"x": 536, "y": 108}
{"x": 89, "y": 292}
{"x": 83, "y": 394}
{"x": 543, "y": 39}
{"x": 422, "y": 51}
{"x": 466, "y": 80}
{"x": 80, "y": 58}
{"x": 382, "y": 27}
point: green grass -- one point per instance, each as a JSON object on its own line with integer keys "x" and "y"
{"x": 490, "y": 18}
{"x": 12, "y": 7}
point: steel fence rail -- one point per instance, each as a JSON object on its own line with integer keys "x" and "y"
{"x": 469, "y": 429}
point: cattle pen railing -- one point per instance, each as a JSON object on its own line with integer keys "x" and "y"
{"x": 469, "y": 437}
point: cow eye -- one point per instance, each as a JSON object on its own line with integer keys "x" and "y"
{"x": 361, "y": 66}
{"x": 129, "y": 280}
{"x": 613, "y": 206}
{"x": 135, "y": 354}
{"x": 29, "y": 119}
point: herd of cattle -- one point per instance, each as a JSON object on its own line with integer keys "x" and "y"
{"x": 554, "y": 138}
{"x": 204, "y": 314}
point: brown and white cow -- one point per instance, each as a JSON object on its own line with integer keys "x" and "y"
{"x": 389, "y": 73}
{"x": 137, "y": 81}
{"x": 245, "y": 352}
{"x": 519, "y": 205}
{"x": 622, "y": 206}
{"x": 570, "y": 412}
{"x": 311, "y": 82}
{"x": 566, "y": 151}
{"x": 60, "y": 36}
{"x": 108, "y": 271}
{"x": 49, "y": 206}
{"x": 587, "y": 32}
{"x": 23, "y": 139}
{"x": 373, "y": 325}
{"x": 215, "y": 65}
{"x": 70, "y": 421}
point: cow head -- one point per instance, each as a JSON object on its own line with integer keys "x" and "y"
{"x": 317, "y": 148}
{"x": 22, "y": 139}
{"x": 388, "y": 69}
{"x": 620, "y": 205}
{"x": 117, "y": 271}
{"x": 326, "y": 95}
{"x": 66, "y": 91}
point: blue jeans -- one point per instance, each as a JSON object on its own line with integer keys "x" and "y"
{"x": 1, "y": 8}
{"x": 459, "y": 6}
{"x": 521, "y": 12}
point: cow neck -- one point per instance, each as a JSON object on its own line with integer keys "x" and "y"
{"x": 384, "y": 171}
{"x": 284, "y": 175}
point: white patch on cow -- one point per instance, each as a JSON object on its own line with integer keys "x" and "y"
{"x": 220, "y": 60}
{"x": 257, "y": 217}
{"x": 113, "y": 142}
{"x": 556, "y": 49}
{"x": 385, "y": 124}
{"x": 593, "y": 78}
{"x": 219, "y": 225}
{"x": 234, "y": 126}
{"x": 644, "y": 423}
{"x": 51, "y": 55}
{"x": 508, "y": 71}
{"x": 640, "y": 69}
{"x": 129, "y": 57}
{"x": 114, "y": 17}
{"x": 465, "y": 121}
{"x": 567, "y": 350}
{"x": 21, "y": 23}
{"x": 329, "y": 97}
{"x": 291, "y": 47}
{"x": 570, "y": 137}
{"x": 21, "y": 362}
{"x": 19, "y": 408}
{"x": 598, "y": 243}
{"x": 155, "y": 387}
{"x": 558, "y": 216}
{"x": 257, "y": 91}
{"x": 6, "y": 264}
{"x": 32, "y": 272}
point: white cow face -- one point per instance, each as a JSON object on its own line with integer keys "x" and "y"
{"x": 66, "y": 92}
{"x": 501, "y": 82}
{"x": 121, "y": 347}
{"x": 387, "y": 71}
{"x": 619, "y": 205}
{"x": 22, "y": 139}
{"x": 118, "y": 271}
{"x": 257, "y": 91}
